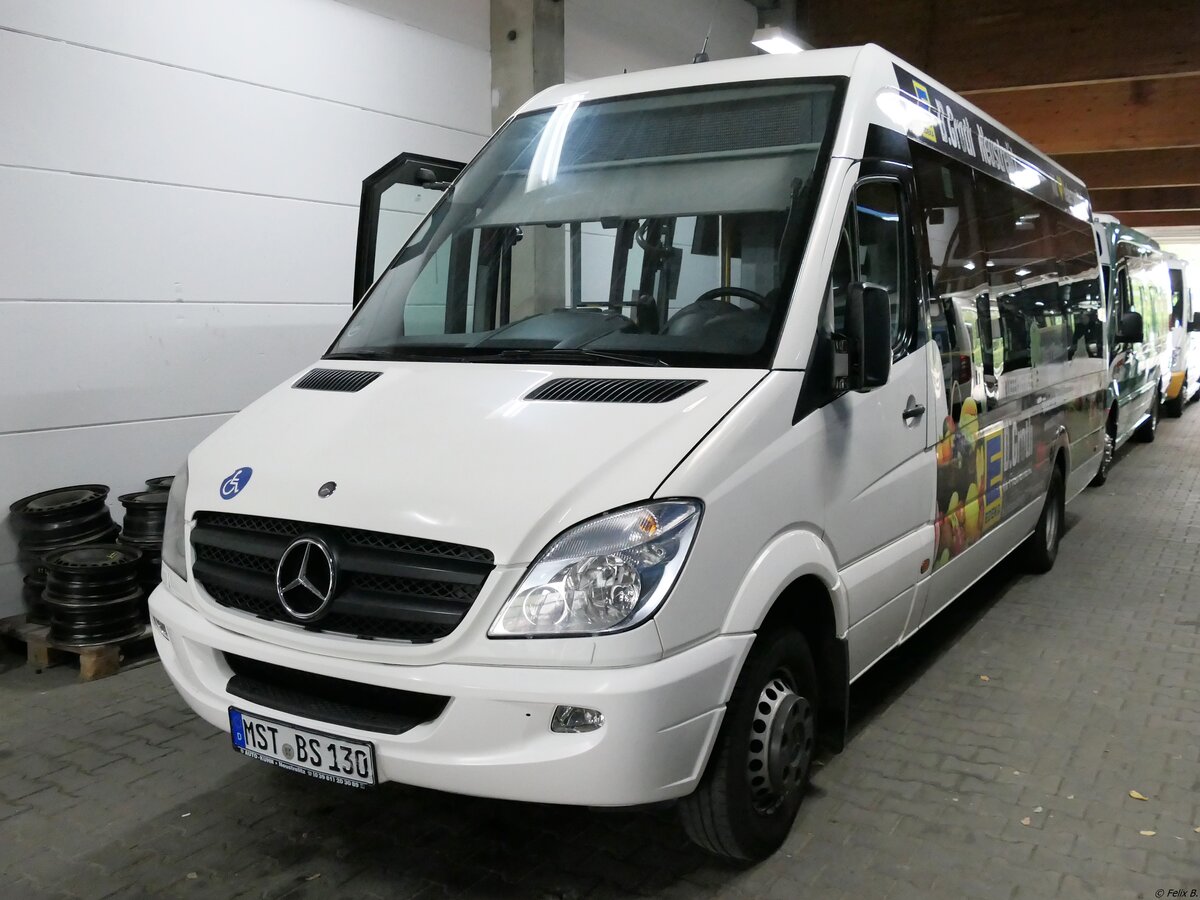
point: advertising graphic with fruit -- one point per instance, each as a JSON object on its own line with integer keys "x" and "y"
{"x": 970, "y": 466}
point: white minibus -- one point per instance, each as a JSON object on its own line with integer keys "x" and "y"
{"x": 1137, "y": 307}
{"x": 1184, "y": 383}
{"x": 697, "y": 392}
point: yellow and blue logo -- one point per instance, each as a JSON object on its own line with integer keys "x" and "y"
{"x": 922, "y": 92}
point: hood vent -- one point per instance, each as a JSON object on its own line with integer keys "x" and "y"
{"x": 613, "y": 390}
{"x": 345, "y": 380}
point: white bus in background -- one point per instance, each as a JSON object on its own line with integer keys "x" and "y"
{"x": 698, "y": 391}
{"x": 1137, "y": 308}
{"x": 1184, "y": 383}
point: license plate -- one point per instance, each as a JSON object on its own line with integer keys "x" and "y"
{"x": 314, "y": 753}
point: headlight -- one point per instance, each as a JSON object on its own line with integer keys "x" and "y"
{"x": 174, "y": 532}
{"x": 604, "y": 575}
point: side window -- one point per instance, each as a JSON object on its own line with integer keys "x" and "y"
{"x": 958, "y": 277}
{"x": 874, "y": 248}
{"x": 882, "y": 252}
{"x": 1123, "y": 299}
{"x": 1080, "y": 301}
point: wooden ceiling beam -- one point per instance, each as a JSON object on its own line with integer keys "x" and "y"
{"x": 1135, "y": 168}
{"x": 1157, "y": 219}
{"x": 1001, "y": 43}
{"x": 1172, "y": 199}
{"x": 1147, "y": 113}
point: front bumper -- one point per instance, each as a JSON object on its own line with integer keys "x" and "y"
{"x": 493, "y": 739}
{"x": 1175, "y": 384}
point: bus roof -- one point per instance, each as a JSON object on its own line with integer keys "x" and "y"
{"x": 952, "y": 125}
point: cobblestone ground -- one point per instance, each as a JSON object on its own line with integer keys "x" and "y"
{"x": 952, "y": 786}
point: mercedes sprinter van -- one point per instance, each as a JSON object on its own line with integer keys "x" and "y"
{"x": 1138, "y": 310}
{"x": 698, "y": 391}
{"x": 1183, "y": 385}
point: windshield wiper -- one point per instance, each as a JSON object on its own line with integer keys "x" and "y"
{"x": 469, "y": 354}
{"x": 365, "y": 353}
{"x": 577, "y": 354}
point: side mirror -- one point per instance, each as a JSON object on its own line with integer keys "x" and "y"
{"x": 866, "y": 345}
{"x": 1131, "y": 330}
{"x": 1194, "y": 325}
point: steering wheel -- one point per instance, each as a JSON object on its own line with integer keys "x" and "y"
{"x": 744, "y": 293}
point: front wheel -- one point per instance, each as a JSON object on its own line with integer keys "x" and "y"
{"x": 751, "y": 790}
{"x": 1147, "y": 430}
{"x": 1041, "y": 547}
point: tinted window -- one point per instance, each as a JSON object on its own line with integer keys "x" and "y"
{"x": 958, "y": 279}
{"x": 1176, "y": 296}
{"x": 874, "y": 249}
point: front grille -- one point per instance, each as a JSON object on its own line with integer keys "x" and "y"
{"x": 333, "y": 700}
{"x": 389, "y": 587}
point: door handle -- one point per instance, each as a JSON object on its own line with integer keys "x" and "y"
{"x": 914, "y": 411}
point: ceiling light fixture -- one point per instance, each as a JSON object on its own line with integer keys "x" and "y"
{"x": 777, "y": 40}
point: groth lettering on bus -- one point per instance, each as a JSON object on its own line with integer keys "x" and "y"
{"x": 954, "y": 130}
{"x": 1018, "y": 444}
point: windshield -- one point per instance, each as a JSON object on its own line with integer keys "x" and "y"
{"x": 655, "y": 229}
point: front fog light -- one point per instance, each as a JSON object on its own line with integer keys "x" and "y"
{"x": 575, "y": 720}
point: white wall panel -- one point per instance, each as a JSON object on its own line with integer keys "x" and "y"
{"x": 460, "y": 20}
{"x": 96, "y": 238}
{"x": 77, "y": 110}
{"x": 90, "y": 363}
{"x": 397, "y": 69}
{"x": 122, "y": 456}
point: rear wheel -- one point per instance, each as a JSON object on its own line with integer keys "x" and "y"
{"x": 751, "y": 790}
{"x": 1041, "y": 547}
{"x": 1146, "y": 431}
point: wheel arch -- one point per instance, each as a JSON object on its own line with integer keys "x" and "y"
{"x": 794, "y": 583}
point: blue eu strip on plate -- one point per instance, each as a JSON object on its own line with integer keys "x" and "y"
{"x": 237, "y": 728}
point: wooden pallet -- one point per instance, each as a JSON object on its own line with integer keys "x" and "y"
{"x": 95, "y": 661}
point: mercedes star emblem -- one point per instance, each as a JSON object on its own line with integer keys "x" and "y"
{"x": 306, "y": 578}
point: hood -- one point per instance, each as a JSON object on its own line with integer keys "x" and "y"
{"x": 454, "y": 452}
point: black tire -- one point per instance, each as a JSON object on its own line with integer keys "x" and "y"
{"x": 748, "y": 797}
{"x": 1174, "y": 407}
{"x": 1110, "y": 450}
{"x": 1146, "y": 431}
{"x": 1041, "y": 547}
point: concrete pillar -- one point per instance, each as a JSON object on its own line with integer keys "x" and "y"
{"x": 527, "y": 52}
{"x": 527, "y": 56}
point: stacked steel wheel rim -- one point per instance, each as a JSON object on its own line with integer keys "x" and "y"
{"x": 142, "y": 529}
{"x": 93, "y": 594}
{"x": 160, "y": 483}
{"x": 52, "y": 520}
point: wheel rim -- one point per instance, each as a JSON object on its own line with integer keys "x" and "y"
{"x": 782, "y": 737}
{"x": 1110, "y": 449}
{"x": 1052, "y": 522}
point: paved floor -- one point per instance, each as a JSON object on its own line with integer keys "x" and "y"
{"x": 952, "y": 786}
